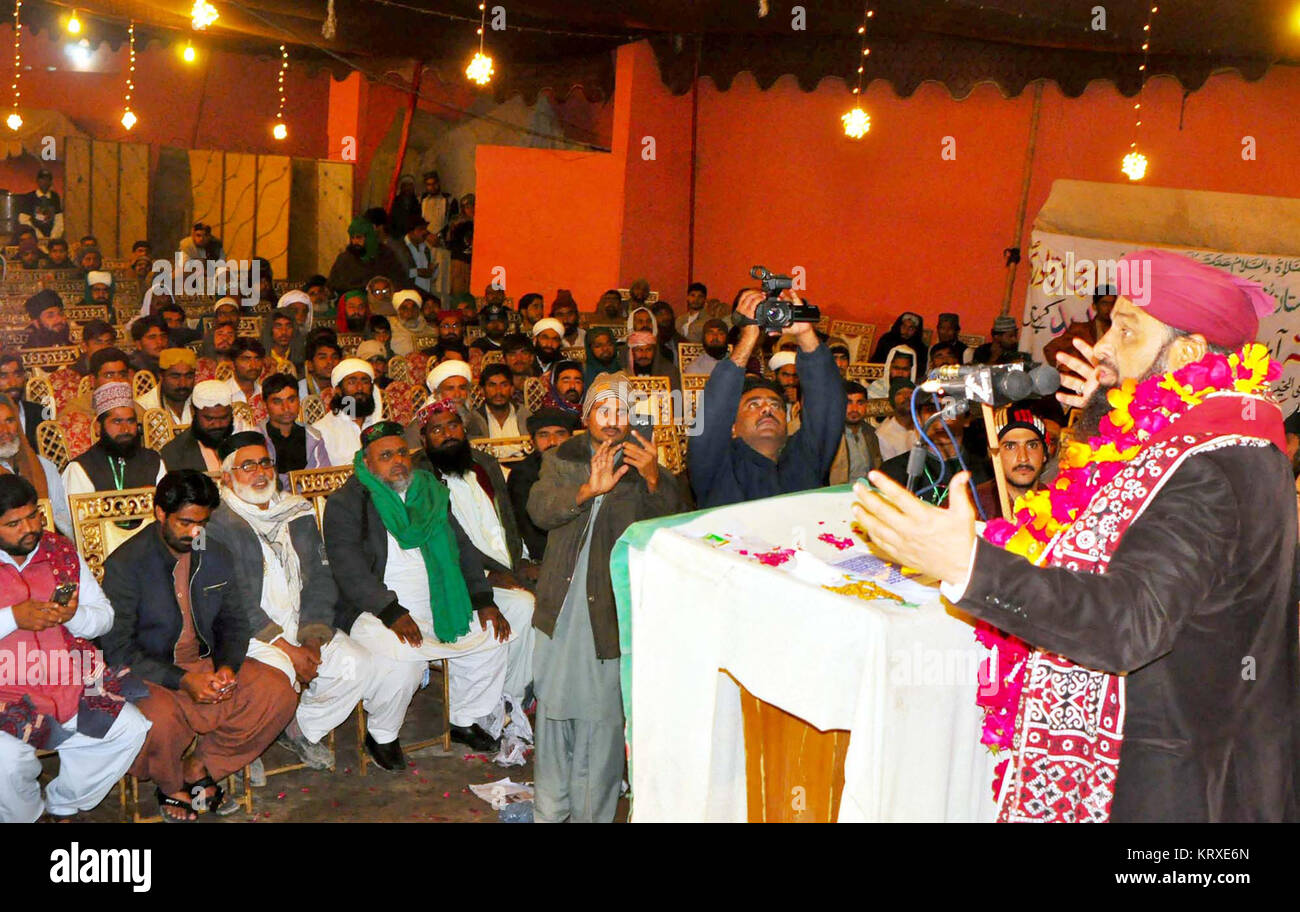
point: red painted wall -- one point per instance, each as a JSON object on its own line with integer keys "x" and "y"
{"x": 885, "y": 224}
{"x": 222, "y": 101}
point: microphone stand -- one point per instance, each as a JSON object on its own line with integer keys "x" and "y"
{"x": 1003, "y": 500}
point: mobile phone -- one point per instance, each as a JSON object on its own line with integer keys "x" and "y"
{"x": 63, "y": 594}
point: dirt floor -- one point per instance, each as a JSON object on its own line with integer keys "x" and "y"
{"x": 434, "y": 787}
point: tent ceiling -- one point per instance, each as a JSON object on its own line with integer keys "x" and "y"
{"x": 561, "y": 44}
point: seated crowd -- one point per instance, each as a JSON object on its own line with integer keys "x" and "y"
{"x": 490, "y": 453}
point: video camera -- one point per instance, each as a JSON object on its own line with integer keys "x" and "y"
{"x": 774, "y": 314}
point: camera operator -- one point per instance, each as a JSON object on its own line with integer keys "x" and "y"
{"x": 745, "y": 451}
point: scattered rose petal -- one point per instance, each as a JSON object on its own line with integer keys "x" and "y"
{"x": 306, "y": 789}
{"x": 839, "y": 543}
{"x": 446, "y": 794}
{"x": 279, "y": 796}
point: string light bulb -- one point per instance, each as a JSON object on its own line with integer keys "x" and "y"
{"x": 480, "y": 68}
{"x": 280, "y": 131}
{"x": 857, "y": 121}
{"x": 73, "y": 24}
{"x": 203, "y": 14}
{"x": 15, "y": 121}
{"x": 1134, "y": 165}
{"x": 189, "y": 55}
{"x": 128, "y": 116}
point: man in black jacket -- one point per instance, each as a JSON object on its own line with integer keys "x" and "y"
{"x": 13, "y": 383}
{"x": 179, "y": 625}
{"x": 385, "y": 601}
{"x": 549, "y": 427}
{"x": 214, "y": 421}
{"x": 288, "y": 595}
{"x": 744, "y": 451}
{"x": 1162, "y": 678}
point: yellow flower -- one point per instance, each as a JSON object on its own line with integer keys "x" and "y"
{"x": 1185, "y": 392}
{"x": 1256, "y": 361}
{"x": 1120, "y": 398}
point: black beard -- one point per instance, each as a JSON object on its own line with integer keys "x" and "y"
{"x": 717, "y": 352}
{"x": 121, "y": 450}
{"x": 355, "y": 324}
{"x": 571, "y": 396}
{"x": 363, "y": 404}
{"x": 211, "y": 438}
{"x": 548, "y": 357}
{"x": 356, "y": 250}
{"x": 452, "y": 458}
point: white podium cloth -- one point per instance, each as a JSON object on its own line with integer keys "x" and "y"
{"x": 900, "y": 679}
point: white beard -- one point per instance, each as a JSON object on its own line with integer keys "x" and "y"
{"x": 250, "y": 495}
{"x": 10, "y": 450}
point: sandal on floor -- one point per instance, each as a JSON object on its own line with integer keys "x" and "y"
{"x": 165, "y": 800}
{"x": 217, "y": 803}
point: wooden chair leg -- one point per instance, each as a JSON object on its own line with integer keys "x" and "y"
{"x": 361, "y": 739}
{"x": 446, "y": 707}
{"x": 121, "y": 788}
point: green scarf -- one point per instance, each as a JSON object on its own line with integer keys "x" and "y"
{"x": 422, "y": 522}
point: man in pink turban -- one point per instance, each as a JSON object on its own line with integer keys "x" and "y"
{"x": 1158, "y": 623}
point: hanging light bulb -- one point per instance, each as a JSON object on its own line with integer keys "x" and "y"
{"x": 1135, "y": 166}
{"x": 279, "y": 131}
{"x": 480, "y": 69}
{"x": 203, "y": 14}
{"x": 128, "y": 116}
{"x": 128, "y": 119}
{"x": 74, "y": 24}
{"x": 13, "y": 121}
{"x": 189, "y": 55}
{"x": 856, "y": 123}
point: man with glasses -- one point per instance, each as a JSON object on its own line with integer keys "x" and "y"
{"x": 288, "y": 595}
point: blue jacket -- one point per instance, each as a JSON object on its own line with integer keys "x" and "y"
{"x": 147, "y": 617}
{"x": 726, "y": 470}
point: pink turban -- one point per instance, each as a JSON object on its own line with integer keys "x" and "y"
{"x": 637, "y": 339}
{"x": 1195, "y": 298}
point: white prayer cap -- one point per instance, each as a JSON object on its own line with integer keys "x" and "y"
{"x": 349, "y": 366}
{"x": 548, "y": 323}
{"x": 401, "y": 297}
{"x": 780, "y": 360}
{"x": 99, "y": 278}
{"x": 371, "y": 349}
{"x": 222, "y": 302}
{"x": 210, "y": 394}
{"x": 289, "y": 298}
{"x": 444, "y": 370}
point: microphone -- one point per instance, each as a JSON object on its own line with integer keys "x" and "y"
{"x": 992, "y": 384}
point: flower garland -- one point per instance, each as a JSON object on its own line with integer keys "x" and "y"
{"x": 1138, "y": 412}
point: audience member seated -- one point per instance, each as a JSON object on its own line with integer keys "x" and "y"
{"x": 151, "y": 338}
{"x": 13, "y": 383}
{"x": 218, "y": 351}
{"x": 691, "y": 324}
{"x": 285, "y": 347}
{"x": 95, "y": 336}
{"x": 196, "y": 447}
{"x": 119, "y": 459}
{"x": 548, "y": 427}
{"x": 1022, "y": 447}
{"x": 645, "y": 358}
{"x": 496, "y": 321}
{"x": 58, "y": 257}
{"x": 745, "y": 451}
{"x": 932, "y": 483}
{"x": 498, "y": 416}
{"x": 409, "y": 324}
{"x": 859, "y": 450}
{"x": 96, "y": 739}
{"x": 412, "y": 588}
{"x": 531, "y": 307}
{"x": 248, "y": 356}
{"x": 568, "y": 387}
{"x": 1004, "y": 337}
{"x": 176, "y": 381}
{"x": 292, "y": 444}
{"x": 178, "y": 333}
{"x": 517, "y": 352}
{"x": 944, "y": 354}
{"x": 179, "y": 624}
{"x": 288, "y": 596}
{"x": 323, "y": 355}
{"x": 666, "y": 333}
{"x": 99, "y": 292}
{"x": 201, "y": 245}
{"x": 908, "y": 330}
{"x": 379, "y": 297}
{"x": 356, "y": 407}
{"x": 947, "y": 332}
{"x": 49, "y": 327}
{"x": 714, "y": 335}
{"x": 786, "y": 374}
{"x": 585, "y": 503}
{"x": 565, "y": 309}
{"x": 353, "y": 312}
{"x": 900, "y": 363}
{"x": 897, "y": 433}
{"x": 548, "y": 340}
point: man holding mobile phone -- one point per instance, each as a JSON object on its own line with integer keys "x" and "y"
{"x": 585, "y": 501}
{"x": 50, "y": 605}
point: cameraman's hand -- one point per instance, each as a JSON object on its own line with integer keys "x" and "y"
{"x": 749, "y": 335}
{"x": 805, "y": 333}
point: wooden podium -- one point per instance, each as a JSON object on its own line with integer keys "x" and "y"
{"x": 794, "y": 773}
